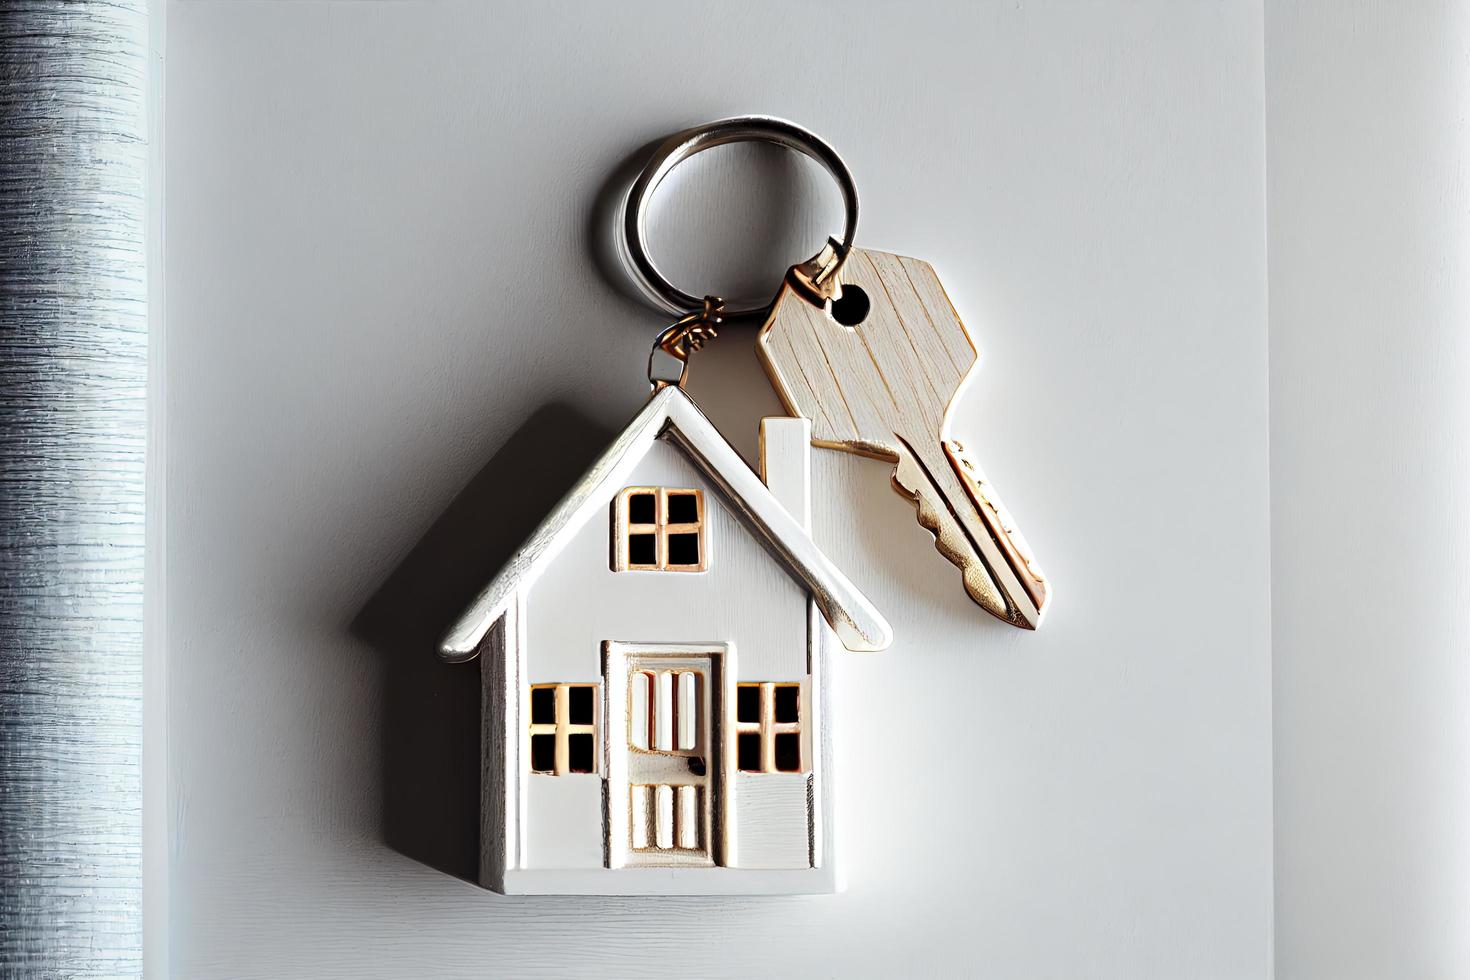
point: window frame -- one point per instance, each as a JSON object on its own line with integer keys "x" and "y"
{"x": 661, "y": 528}
{"x": 679, "y": 713}
{"x": 766, "y": 728}
{"x": 562, "y": 728}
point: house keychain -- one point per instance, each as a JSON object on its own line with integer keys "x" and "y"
{"x": 869, "y": 348}
{"x": 655, "y": 660}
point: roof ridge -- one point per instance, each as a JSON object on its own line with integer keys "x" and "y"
{"x": 856, "y": 622}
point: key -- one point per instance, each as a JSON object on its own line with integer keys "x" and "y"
{"x": 883, "y": 381}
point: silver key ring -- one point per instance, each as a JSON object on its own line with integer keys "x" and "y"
{"x": 633, "y": 242}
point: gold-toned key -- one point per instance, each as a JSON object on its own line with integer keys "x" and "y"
{"x": 877, "y": 358}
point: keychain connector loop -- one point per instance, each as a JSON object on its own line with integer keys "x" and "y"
{"x": 816, "y": 278}
{"x": 668, "y": 362}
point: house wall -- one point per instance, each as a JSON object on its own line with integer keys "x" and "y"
{"x": 579, "y": 602}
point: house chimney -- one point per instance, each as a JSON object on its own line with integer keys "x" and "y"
{"x": 786, "y": 464}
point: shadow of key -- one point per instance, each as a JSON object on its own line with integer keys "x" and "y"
{"x": 431, "y": 714}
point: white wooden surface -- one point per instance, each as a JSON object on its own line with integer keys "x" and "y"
{"x": 380, "y": 285}
{"x": 669, "y": 413}
{"x": 773, "y": 818}
{"x": 564, "y": 822}
{"x": 745, "y": 597}
{"x": 744, "y": 611}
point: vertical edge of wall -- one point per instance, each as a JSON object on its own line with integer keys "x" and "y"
{"x": 1369, "y": 249}
{"x": 73, "y": 415}
{"x": 157, "y": 813}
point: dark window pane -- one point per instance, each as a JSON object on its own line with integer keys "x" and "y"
{"x": 543, "y": 706}
{"x": 788, "y": 752}
{"x": 683, "y": 549}
{"x": 748, "y": 703}
{"x": 579, "y": 704}
{"x": 683, "y": 508}
{"x": 642, "y": 549}
{"x": 788, "y": 703}
{"x": 641, "y": 509}
{"x": 749, "y": 752}
{"x": 579, "y": 752}
{"x": 543, "y": 753}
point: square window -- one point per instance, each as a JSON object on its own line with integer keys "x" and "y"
{"x": 543, "y": 706}
{"x": 788, "y": 752}
{"x": 579, "y": 752}
{"x": 748, "y": 703}
{"x": 659, "y": 529}
{"x": 748, "y": 752}
{"x": 563, "y": 729}
{"x": 641, "y": 509}
{"x": 684, "y": 549}
{"x": 543, "y": 753}
{"x": 683, "y": 508}
{"x": 642, "y": 549}
{"x": 788, "y": 704}
{"x": 579, "y": 704}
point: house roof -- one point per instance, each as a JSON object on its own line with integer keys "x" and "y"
{"x": 670, "y": 412}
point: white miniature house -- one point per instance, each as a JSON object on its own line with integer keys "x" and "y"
{"x": 654, "y": 662}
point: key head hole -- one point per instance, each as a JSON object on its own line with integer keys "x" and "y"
{"x": 852, "y": 307}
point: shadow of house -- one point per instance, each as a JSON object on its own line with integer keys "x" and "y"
{"x": 431, "y": 710}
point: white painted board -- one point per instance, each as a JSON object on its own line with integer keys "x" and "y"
{"x": 389, "y": 340}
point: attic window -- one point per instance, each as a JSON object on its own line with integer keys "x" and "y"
{"x": 563, "y": 728}
{"x": 768, "y": 727}
{"x": 659, "y": 529}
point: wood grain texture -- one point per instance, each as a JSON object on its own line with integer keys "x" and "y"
{"x": 773, "y": 812}
{"x": 888, "y": 387}
{"x": 500, "y": 752}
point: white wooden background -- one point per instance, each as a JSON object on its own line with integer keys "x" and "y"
{"x": 390, "y": 344}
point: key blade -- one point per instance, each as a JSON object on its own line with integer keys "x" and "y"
{"x": 1004, "y": 533}
{"x": 973, "y": 531}
{"x": 912, "y": 481}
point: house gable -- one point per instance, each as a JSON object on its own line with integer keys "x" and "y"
{"x": 670, "y": 415}
{"x": 743, "y": 598}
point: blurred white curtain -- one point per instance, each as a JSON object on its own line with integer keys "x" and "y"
{"x": 73, "y": 368}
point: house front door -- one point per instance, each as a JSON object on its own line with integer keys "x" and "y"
{"x": 666, "y": 773}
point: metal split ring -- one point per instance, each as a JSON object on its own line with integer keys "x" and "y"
{"x": 633, "y": 242}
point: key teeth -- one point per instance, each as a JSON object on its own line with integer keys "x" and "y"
{"x": 951, "y": 542}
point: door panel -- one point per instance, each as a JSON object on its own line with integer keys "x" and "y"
{"x": 666, "y": 786}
